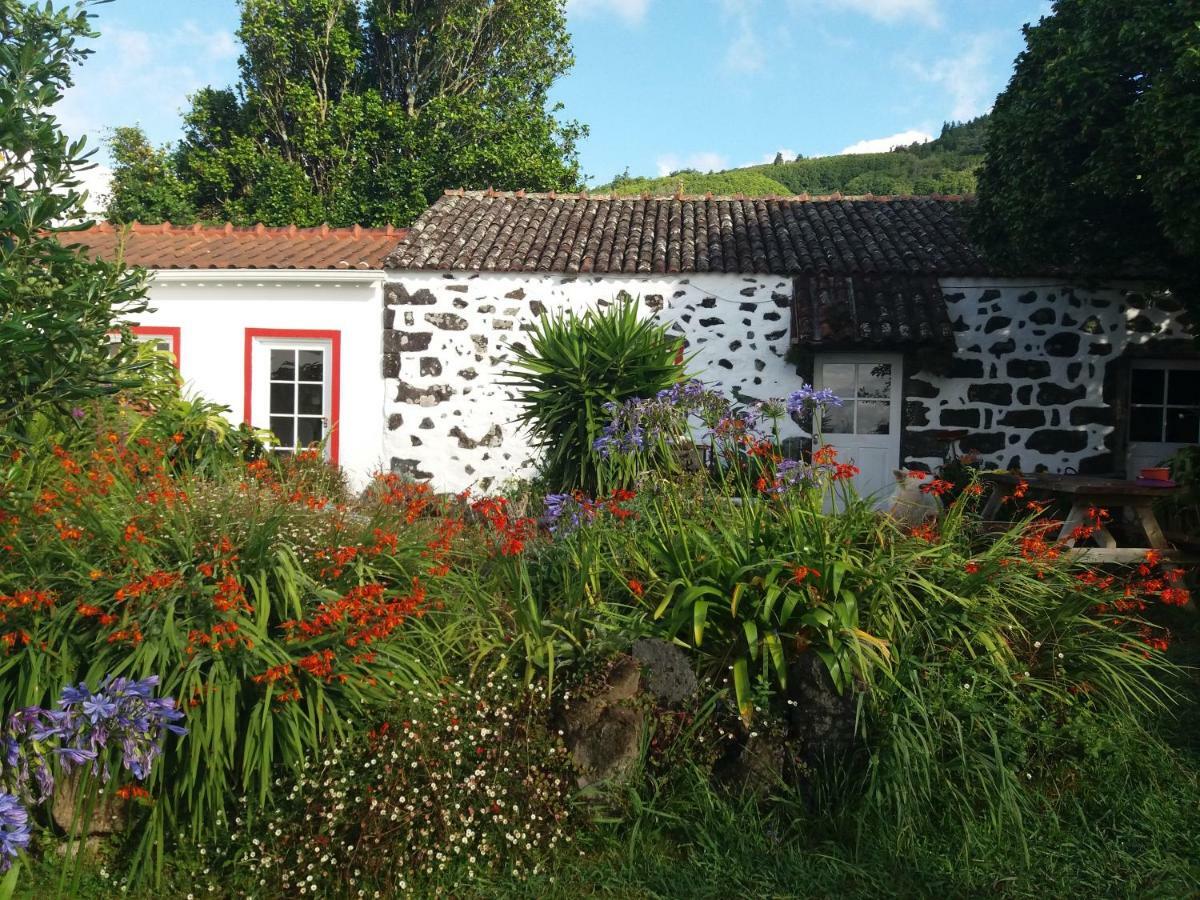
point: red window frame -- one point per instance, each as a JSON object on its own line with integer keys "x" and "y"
{"x": 335, "y": 379}
{"x": 170, "y": 331}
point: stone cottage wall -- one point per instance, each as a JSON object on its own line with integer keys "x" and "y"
{"x": 447, "y": 339}
{"x": 1032, "y": 381}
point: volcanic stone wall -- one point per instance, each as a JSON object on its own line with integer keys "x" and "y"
{"x": 447, "y": 340}
{"x": 1036, "y": 379}
{"x": 1032, "y": 382}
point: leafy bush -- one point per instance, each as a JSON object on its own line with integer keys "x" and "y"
{"x": 577, "y": 364}
{"x": 57, "y": 306}
{"x": 268, "y": 608}
{"x": 972, "y": 657}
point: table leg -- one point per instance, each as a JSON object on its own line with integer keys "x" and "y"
{"x": 997, "y": 497}
{"x": 1075, "y": 518}
{"x": 1145, "y": 514}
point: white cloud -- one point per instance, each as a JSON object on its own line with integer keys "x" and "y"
{"x": 884, "y": 144}
{"x": 925, "y": 12}
{"x": 788, "y": 156}
{"x": 705, "y": 161}
{"x": 964, "y": 77}
{"x": 746, "y": 52}
{"x": 144, "y": 76}
{"x": 96, "y": 182}
{"x": 631, "y": 12}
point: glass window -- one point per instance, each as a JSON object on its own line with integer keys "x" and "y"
{"x": 1164, "y": 403}
{"x": 865, "y": 390}
{"x": 297, "y": 396}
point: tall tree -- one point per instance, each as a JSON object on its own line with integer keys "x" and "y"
{"x": 57, "y": 306}
{"x": 144, "y": 185}
{"x": 1092, "y": 150}
{"x": 363, "y": 112}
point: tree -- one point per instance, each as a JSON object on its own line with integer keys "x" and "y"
{"x": 144, "y": 185}
{"x": 364, "y": 112}
{"x": 1091, "y": 149}
{"x": 778, "y": 161}
{"x": 58, "y": 308}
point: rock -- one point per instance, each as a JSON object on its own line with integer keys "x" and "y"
{"x": 820, "y": 719}
{"x": 108, "y": 816}
{"x": 666, "y": 671}
{"x": 604, "y": 731}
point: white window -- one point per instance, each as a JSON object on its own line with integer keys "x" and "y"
{"x": 292, "y": 392}
{"x": 165, "y": 340}
{"x": 1164, "y": 411}
{"x": 1164, "y": 403}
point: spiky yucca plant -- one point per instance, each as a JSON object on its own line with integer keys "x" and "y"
{"x": 574, "y": 366}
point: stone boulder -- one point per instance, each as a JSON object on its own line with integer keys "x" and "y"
{"x": 606, "y": 727}
{"x": 109, "y": 813}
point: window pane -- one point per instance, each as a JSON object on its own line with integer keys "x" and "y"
{"x": 874, "y": 417}
{"x": 284, "y": 429}
{"x": 312, "y": 398}
{"x": 1146, "y": 386}
{"x": 875, "y": 380}
{"x": 283, "y": 365}
{"x": 839, "y": 378}
{"x": 308, "y": 431}
{"x": 283, "y": 399}
{"x": 1183, "y": 387}
{"x": 1183, "y": 425}
{"x": 1145, "y": 423}
{"x": 312, "y": 365}
{"x": 838, "y": 419}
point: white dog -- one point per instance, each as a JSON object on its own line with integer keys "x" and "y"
{"x": 908, "y": 504}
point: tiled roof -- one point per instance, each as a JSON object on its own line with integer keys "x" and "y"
{"x": 227, "y": 247}
{"x": 844, "y": 312}
{"x": 507, "y": 232}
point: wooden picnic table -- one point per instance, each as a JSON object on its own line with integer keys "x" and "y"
{"x": 1084, "y": 493}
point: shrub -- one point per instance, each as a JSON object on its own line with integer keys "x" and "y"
{"x": 972, "y": 657}
{"x": 275, "y": 614}
{"x": 577, "y": 364}
{"x": 57, "y": 306}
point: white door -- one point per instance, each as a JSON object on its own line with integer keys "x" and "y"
{"x": 1164, "y": 411}
{"x": 865, "y": 430}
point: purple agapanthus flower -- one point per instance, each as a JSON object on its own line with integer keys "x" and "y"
{"x": 14, "y": 829}
{"x": 808, "y": 398}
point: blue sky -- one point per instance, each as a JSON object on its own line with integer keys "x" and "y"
{"x": 662, "y": 84}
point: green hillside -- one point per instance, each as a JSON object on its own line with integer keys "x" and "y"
{"x": 945, "y": 165}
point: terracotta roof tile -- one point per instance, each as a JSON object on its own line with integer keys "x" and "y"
{"x": 504, "y": 232}
{"x": 227, "y": 247}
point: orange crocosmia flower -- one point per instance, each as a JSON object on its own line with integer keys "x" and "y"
{"x": 971, "y": 568}
{"x": 132, "y": 792}
{"x": 636, "y": 587}
{"x": 799, "y": 573}
{"x": 824, "y": 455}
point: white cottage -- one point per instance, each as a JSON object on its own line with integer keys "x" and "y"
{"x": 884, "y": 300}
{"x": 279, "y": 324}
